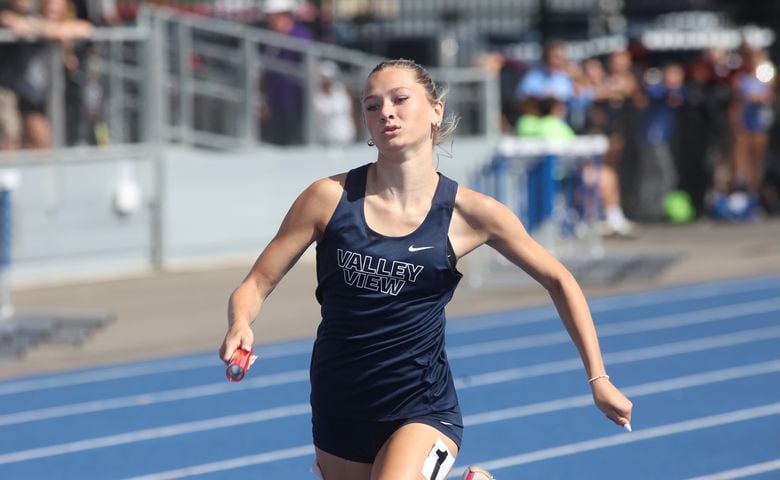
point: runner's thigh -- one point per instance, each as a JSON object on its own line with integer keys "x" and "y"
{"x": 404, "y": 454}
{"x": 337, "y": 468}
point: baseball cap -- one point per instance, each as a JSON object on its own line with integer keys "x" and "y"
{"x": 271, "y": 7}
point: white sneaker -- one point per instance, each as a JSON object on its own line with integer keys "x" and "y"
{"x": 624, "y": 229}
{"x": 473, "y": 472}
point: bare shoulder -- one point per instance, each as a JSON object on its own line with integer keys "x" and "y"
{"x": 319, "y": 200}
{"x": 326, "y": 189}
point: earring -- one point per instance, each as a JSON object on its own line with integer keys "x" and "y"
{"x": 370, "y": 142}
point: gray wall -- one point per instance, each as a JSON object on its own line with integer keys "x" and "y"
{"x": 227, "y": 204}
{"x": 216, "y": 206}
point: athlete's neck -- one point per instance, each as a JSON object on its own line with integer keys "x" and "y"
{"x": 406, "y": 181}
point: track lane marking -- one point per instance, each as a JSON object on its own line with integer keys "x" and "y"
{"x": 624, "y": 356}
{"x": 497, "y": 464}
{"x": 461, "y": 382}
{"x": 742, "y": 472}
{"x": 623, "y": 438}
{"x": 628, "y": 300}
{"x": 649, "y": 324}
{"x": 687, "y": 381}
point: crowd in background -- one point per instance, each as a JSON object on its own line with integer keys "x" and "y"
{"x": 699, "y": 125}
{"x": 53, "y": 30}
{"x": 47, "y": 30}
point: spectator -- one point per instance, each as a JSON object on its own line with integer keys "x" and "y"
{"x": 98, "y": 12}
{"x": 548, "y": 124}
{"x": 24, "y": 71}
{"x": 20, "y": 17}
{"x": 770, "y": 190}
{"x": 696, "y": 139}
{"x": 594, "y": 79}
{"x": 619, "y": 123}
{"x": 662, "y": 98}
{"x": 10, "y": 125}
{"x": 82, "y": 85}
{"x": 583, "y": 98}
{"x": 318, "y": 18}
{"x": 510, "y": 72}
{"x": 333, "y": 108}
{"x": 549, "y": 79}
{"x": 754, "y": 97}
{"x": 27, "y": 69}
{"x": 528, "y": 123}
{"x": 720, "y": 157}
{"x": 282, "y": 109}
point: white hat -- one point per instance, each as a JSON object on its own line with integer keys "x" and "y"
{"x": 278, "y": 6}
{"x": 329, "y": 69}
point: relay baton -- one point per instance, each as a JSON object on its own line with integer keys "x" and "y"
{"x": 239, "y": 364}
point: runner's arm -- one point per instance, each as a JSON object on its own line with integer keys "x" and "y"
{"x": 493, "y": 223}
{"x": 302, "y": 226}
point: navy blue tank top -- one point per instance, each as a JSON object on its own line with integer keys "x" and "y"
{"x": 379, "y": 352}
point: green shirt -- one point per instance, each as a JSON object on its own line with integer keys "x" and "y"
{"x": 549, "y": 127}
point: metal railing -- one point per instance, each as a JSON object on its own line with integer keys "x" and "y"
{"x": 112, "y": 68}
{"x": 181, "y": 78}
{"x": 209, "y": 73}
{"x": 552, "y": 186}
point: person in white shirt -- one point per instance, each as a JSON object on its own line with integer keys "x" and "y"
{"x": 333, "y": 108}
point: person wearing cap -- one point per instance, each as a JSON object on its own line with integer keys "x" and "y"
{"x": 333, "y": 107}
{"x": 282, "y": 109}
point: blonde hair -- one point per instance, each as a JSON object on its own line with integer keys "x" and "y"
{"x": 435, "y": 92}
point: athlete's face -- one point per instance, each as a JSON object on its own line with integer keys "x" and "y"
{"x": 397, "y": 109}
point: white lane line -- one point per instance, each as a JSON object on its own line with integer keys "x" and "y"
{"x": 625, "y": 356}
{"x": 66, "y": 380}
{"x": 599, "y": 305}
{"x": 461, "y": 382}
{"x": 685, "y": 292}
{"x": 129, "y": 371}
{"x": 613, "y": 329}
{"x": 146, "y": 399}
{"x": 743, "y": 472}
{"x": 453, "y": 352}
{"x": 664, "y": 321}
{"x": 470, "y": 420}
{"x": 295, "y": 452}
{"x": 513, "y": 318}
{"x": 635, "y": 391}
{"x": 637, "y": 436}
{"x": 155, "y": 433}
{"x": 570, "y": 449}
{"x": 302, "y": 348}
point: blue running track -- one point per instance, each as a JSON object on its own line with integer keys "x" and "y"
{"x": 700, "y": 362}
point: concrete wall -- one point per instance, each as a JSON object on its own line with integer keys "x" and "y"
{"x": 216, "y": 206}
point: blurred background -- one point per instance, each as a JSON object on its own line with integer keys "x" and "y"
{"x": 140, "y": 140}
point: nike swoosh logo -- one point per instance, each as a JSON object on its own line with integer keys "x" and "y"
{"x": 413, "y": 249}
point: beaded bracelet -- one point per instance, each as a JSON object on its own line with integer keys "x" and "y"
{"x": 597, "y": 377}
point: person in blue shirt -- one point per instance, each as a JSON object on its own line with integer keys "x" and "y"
{"x": 550, "y": 78}
{"x": 389, "y": 234}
